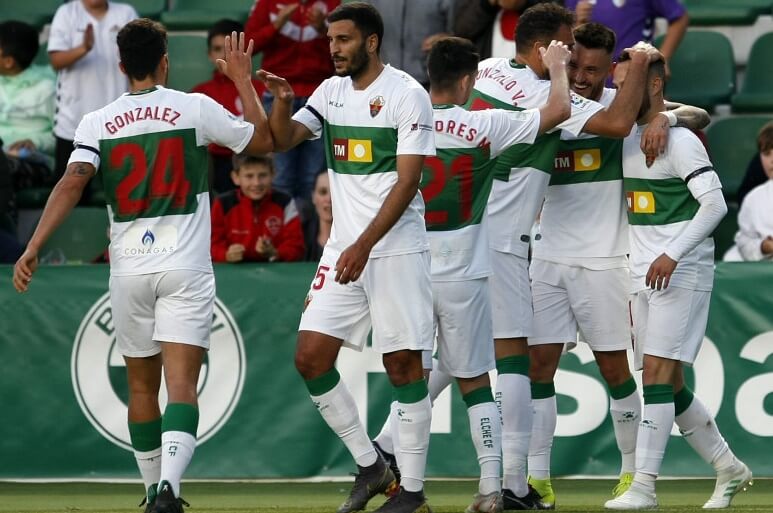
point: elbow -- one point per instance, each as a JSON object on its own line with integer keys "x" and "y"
{"x": 618, "y": 129}
{"x": 564, "y": 113}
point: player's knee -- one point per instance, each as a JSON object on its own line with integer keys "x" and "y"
{"x": 306, "y": 364}
{"x": 403, "y": 367}
{"x": 542, "y": 365}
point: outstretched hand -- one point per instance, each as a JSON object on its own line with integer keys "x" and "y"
{"x": 237, "y": 64}
{"x": 279, "y": 88}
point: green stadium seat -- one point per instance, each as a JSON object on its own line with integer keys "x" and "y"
{"x": 756, "y": 94}
{"x": 732, "y": 143}
{"x": 188, "y": 63}
{"x": 724, "y": 233}
{"x": 721, "y": 12}
{"x": 759, "y": 7}
{"x": 34, "y": 197}
{"x": 201, "y": 14}
{"x": 35, "y": 12}
{"x": 81, "y": 238}
{"x": 702, "y": 70}
{"x": 149, "y": 8}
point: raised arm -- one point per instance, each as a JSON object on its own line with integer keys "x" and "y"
{"x": 557, "y": 109}
{"x": 287, "y": 132}
{"x": 62, "y": 200}
{"x": 237, "y": 66}
{"x": 352, "y": 261}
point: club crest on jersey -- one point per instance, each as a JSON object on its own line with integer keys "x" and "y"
{"x": 376, "y": 104}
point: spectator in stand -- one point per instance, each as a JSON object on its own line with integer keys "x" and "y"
{"x": 223, "y": 91}
{"x": 317, "y": 225}
{"x": 255, "y": 223}
{"x": 293, "y": 39}
{"x": 755, "y": 175}
{"x": 410, "y": 29}
{"x": 754, "y": 239}
{"x": 490, "y": 24}
{"x": 82, "y": 48}
{"x": 634, "y": 21}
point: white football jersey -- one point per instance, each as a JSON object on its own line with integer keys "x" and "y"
{"x": 661, "y": 202}
{"x": 151, "y": 149}
{"x": 523, "y": 171}
{"x": 583, "y": 219}
{"x": 456, "y": 184}
{"x": 364, "y": 131}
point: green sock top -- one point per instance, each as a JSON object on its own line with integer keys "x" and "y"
{"x": 623, "y": 389}
{"x": 181, "y": 417}
{"x": 543, "y": 390}
{"x": 478, "y": 396}
{"x": 517, "y": 364}
{"x": 682, "y": 400}
{"x": 658, "y": 394}
{"x": 412, "y": 392}
{"x": 145, "y": 436}
{"x": 324, "y": 383}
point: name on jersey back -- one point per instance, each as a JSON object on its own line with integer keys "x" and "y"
{"x": 157, "y": 113}
{"x": 504, "y": 80}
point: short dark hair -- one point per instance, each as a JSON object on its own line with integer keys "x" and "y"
{"x": 365, "y": 17}
{"x": 20, "y": 41}
{"x": 243, "y": 160}
{"x": 540, "y": 23}
{"x": 141, "y": 45}
{"x": 224, "y": 27}
{"x": 450, "y": 59}
{"x": 596, "y": 36}
{"x": 765, "y": 137}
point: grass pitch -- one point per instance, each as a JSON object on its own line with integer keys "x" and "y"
{"x": 678, "y": 496}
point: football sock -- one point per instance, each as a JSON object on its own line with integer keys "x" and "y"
{"x": 543, "y": 398}
{"x": 654, "y": 430}
{"x": 384, "y": 439}
{"x": 337, "y": 407}
{"x": 513, "y": 397}
{"x": 486, "y": 433}
{"x": 146, "y": 442}
{"x": 178, "y": 442}
{"x": 625, "y": 410}
{"x": 414, "y": 416}
{"x": 700, "y": 430}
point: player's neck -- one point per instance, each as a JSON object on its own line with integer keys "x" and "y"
{"x": 368, "y": 75}
{"x": 136, "y": 86}
{"x": 443, "y": 98}
{"x": 97, "y": 12}
{"x": 657, "y": 106}
{"x": 531, "y": 62}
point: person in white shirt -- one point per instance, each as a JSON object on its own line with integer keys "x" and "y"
{"x": 673, "y": 207}
{"x": 83, "y": 50}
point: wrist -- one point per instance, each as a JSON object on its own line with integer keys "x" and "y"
{"x": 671, "y": 117}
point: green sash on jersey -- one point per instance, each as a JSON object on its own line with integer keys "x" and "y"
{"x": 153, "y": 175}
{"x": 360, "y": 150}
{"x": 596, "y": 159}
{"x": 658, "y": 202}
{"x": 456, "y": 185}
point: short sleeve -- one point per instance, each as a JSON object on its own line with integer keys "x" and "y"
{"x": 312, "y": 115}
{"x": 86, "y": 143}
{"x": 582, "y": 110}
{"x": 60, "y": 36}
{"x": 692, "y": 164}
{"x": 415, "y": 133}
{"x": 221, "y": 127}
{"x": 512, "y": 127}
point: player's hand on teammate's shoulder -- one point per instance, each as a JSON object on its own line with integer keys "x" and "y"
{"x": 556, "y": 55}
{"x": 654, "y": 139}
{"x": 237, "y": 62}
{"x": 660, "y": 271}
{"x": 352, "y": 262}
{"x": 279, "y": 88}
{"x": 23, "y": 270}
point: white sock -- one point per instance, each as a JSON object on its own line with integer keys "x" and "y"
{"x": 626, "y": 415}
{"x": 513, "y": 397}
{"x": 654, "y": 430}
{"x": 438, "y": 381}
{"x": 339, "y": 410}
{"x": 149, "y": 463}
{"x": 700, "y": 431}
{"x": 413, "y": 421}
{"x": 177, "y": 449}
{"x": 545, "y": 418}
{"x": 486, "y": 433}
{"x": 384, "y": 439}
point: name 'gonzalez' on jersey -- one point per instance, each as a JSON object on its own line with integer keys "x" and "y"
{"x": 151, "y": 149}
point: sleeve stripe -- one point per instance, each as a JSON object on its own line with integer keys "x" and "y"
{"x": 316, "y": 114}
{"x": 85, "y": 147}
{"x": 697, "y": 172}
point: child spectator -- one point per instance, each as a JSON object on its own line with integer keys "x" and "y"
{"x": 316, "y": 229}
{"x": 223, "y": 91}
{"x": 253, "y": 222}
{"x": 82, "y": 48}
{"x": 755, "y": 219}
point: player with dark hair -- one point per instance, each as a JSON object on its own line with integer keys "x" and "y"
{"x": 376, "y": 124}
{"x": 150, "y": 147}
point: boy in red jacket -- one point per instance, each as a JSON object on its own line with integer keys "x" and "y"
{"x": 254, "y": 223}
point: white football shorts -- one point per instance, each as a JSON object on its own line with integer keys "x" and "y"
{"x": 511, "y": 309}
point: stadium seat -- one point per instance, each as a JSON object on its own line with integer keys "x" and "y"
{"x": 81, "y": 238}
{"x": 34, "y": 197}
{"x": 35, "y": 12}
{"x": 188, "y": 63}
{"x": 756, "y": 94}
{"x": 732, "y": 144}
{"x": 724, "y": 233}
{"x": 149, "y": 8}
{"x": 201, "y": 14}
{"x": 709, "y": 13}
{"x": 702, "y": 70}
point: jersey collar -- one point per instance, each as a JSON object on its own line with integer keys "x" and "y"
{"x": 143, "y": 91}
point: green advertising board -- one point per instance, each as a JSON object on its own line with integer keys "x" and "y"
{"x": 63, "y": 387}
